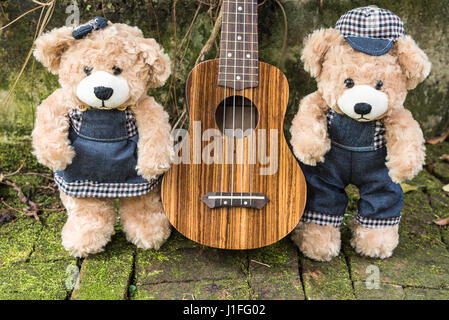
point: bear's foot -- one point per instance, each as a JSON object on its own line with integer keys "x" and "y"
{"x": 320, "y": 243}
{"x": 89, "y": 226}
{"x": 144, "y": 222}
{"x": 374, "y": 243}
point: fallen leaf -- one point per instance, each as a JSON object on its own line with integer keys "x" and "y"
{"x": 446, "y": 188}
{"x": 438, "y": 139}
{"x": 445, "y": 157}
{"x": 407, "y": 188}
{"x": 315, "y": 275}
{"x": 442, "y": 222}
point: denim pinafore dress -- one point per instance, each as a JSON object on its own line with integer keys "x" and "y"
{"x": 357, "y": 156}
{"x": 105, "y": 142}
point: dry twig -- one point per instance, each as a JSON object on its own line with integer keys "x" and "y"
{"x": 33, "y": 208}
{"x": 261, "y": 263}
{"x": 2, "y": 176}
{"x": 156, "y": 20}
{"x": 321, "y": 6}
{"x": 213, "y": 36}
{"x": 284, "y": 43}
{"x": 48, "y": 8}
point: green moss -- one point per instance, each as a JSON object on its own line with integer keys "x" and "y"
{"x": 441, "y": 171}
{"x": 17, "y": 240}
{"x": 188, "y": 264}
{"x": 426, "y": 182}
{"x": 273, "y": 272}
{"x": 17, "y": 151}
{"x": 35, "y": 281}
{"x": 275, "y": 255}
{"x": 182, "y": 267}
{"x": 327, "y": 280}
{"x": 435, "y": 151}
{"x": 224, "y": 289}
{"x": 426, "y": 294}
{"x": 106, "y": 276}
{"x": 418, "y": 261}
{"x": 385, "y": 292}
{"x": 48, "y": 246}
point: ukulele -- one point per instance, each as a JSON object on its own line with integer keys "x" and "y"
{"x": 235, "y": 184}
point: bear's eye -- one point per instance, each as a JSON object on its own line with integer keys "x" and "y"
{"x": 379, "y": 85}
{"x": 349, "y": 83}
{"x": 87, "y": 70}
{"x": 117, "y": 70}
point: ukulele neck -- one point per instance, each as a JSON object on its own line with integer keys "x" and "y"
{"x": 238, "y": 66}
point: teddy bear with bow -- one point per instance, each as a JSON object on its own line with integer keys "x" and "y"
{"x": 101, "y": 134}
{"x": 355, "y": 130}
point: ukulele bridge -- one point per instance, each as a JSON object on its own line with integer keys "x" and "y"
{"x": 235, "y": 199}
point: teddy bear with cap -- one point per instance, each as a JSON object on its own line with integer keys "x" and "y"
{"x": 101, "y": 134}
{"x": 355, "y": 130}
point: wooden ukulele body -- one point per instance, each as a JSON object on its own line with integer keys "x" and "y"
{"x": 235, "y": 227}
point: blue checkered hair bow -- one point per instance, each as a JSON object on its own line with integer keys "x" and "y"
{"x": 96, "y": 23}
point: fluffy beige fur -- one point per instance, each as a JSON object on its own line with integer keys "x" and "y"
{"x": 329, "y": 59}
{"x": 321, "y": 243}
{"x": 89, "y": 226}
{"x": 91, "y": 221}
{"x": 374, "y": 243}
{"x": 144, "y": 220}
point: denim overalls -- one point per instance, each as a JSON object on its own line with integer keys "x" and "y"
{"x": 357, "y": 156}
{"x": 105, "y": 142}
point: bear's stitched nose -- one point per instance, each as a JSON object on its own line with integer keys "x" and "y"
{"x": 362, "y": 108}
{"x": 103, "y": 93}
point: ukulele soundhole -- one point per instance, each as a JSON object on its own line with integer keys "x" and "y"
{"x": 236, "y": 113}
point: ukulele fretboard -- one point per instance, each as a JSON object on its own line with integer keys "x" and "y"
{"x": 238, "y": 67}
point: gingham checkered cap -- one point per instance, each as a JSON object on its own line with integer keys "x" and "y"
{"x": 371, "y": 22}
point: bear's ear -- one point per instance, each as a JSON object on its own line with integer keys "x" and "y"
{"x": 158, "y": 61}
{"x": 414, "y": 62}
{"x": 51, "y": 45}
{"x": 316, "y": 46}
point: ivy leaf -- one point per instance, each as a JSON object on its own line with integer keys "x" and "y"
{"x": 407, "y": 188}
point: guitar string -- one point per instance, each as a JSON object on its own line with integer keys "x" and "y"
{"x": 233, "y": 111}
{"x": 224, "y": 34}
{"x": 243, "y": 103}
{"x": 245, "y": 14}
{"x": 251, "y": 149}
